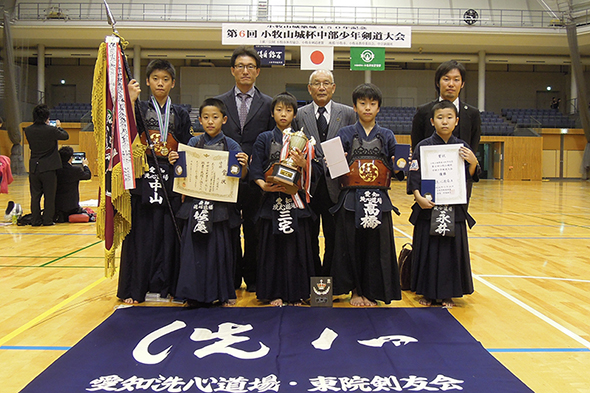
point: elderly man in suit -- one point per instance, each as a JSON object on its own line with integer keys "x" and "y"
{"x": 321, "y": 120}
{"x": 43, "y": 164}
{"x": 248, "y": 114}
{"x": 449, "y": 79}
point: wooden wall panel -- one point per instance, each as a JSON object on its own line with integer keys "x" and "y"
{"x": 550, "y": 163}
{"x": 572, "y": 161}
{"x": 523, "y": 158}
{"x": 88, "y": 145}
{"x": 551, "y": 142}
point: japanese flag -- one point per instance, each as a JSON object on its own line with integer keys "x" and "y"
{"x": 317, "y": 57}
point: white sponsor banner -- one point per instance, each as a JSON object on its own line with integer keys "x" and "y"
{"x": 316, "y": 35}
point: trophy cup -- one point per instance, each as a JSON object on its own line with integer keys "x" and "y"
{"x": 286, "y": 173}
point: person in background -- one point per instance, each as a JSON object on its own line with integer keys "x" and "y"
{"x": 43, "y": 164}
{"x": 449, "y": 80}
{"x": 67, "y": 196}
{"x": 248, "y": 115}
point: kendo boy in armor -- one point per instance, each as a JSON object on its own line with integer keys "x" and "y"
{"x": 149, "y": 254}
{"x": 207, "y": 250}
{"x": 285, "y": 254}
{"x": 365, "y": 258}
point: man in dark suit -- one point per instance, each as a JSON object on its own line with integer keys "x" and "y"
{"x": 67, "y": 196}
{"x": 43, "y": 164}
{"x": 321, "y": 120}
{"x": 449, "y": 79}
{"x": 248, "y": 114}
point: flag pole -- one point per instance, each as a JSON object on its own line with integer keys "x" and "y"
{"x": 141, "y": 122}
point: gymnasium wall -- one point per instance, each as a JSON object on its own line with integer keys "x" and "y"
{"x": 506, "y": 86}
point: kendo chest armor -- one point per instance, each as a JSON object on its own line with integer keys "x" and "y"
{"x": 160, "y": 147}
{"x": 220, "y": 146}
{"x": 367, "y": 164}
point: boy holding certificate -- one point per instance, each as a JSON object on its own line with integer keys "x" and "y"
{"x": 208, "y": 246}
{"x": 441, "y": 268}
{"x": 282, "y": 161}
{"x": 365, "y": 260}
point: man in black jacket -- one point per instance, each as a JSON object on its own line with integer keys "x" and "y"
{"x": 43, "y": 164}
{"x": 248, "y": 114}
{"x": 67, "y": 196}
{"x": 449, "y": 79}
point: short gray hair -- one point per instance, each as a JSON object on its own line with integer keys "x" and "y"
{"x": 321, "y": 71}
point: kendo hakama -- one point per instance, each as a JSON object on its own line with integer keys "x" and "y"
{"x": 365, "y": 258}
{"x": 150, "y": 252}
{"x": 208, "y": 243}
{"x": 207, "y": 251}
{"x": 151, "y": 249}
{"x": 285, "y": 254}
{"x": 441, "y": 266}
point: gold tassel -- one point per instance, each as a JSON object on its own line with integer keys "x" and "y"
{"x": 140, "y": 164}
{"x": 120, "y": 198}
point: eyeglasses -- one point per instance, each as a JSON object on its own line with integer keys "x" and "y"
{"x": 249, "y": 67}
{"x": 321, "y": 84}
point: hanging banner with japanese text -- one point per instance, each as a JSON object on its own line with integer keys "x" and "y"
{"x": 316, "y": 35}
{"x": 271, "y": 55}
{"x": 269, "y": 349}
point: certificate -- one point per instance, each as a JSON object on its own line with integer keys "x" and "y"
{"x": 207, "y": 175}
{"x": 443, "y": 164}
{"x": 335, "y": 158}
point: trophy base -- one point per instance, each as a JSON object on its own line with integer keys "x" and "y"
{"x": 285, "y": 176}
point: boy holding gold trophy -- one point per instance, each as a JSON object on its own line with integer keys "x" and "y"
{"x": 282, "y": 166}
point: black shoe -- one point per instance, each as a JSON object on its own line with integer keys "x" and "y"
{"x": 8, "y": 211}
{"x": 48, "y": 224}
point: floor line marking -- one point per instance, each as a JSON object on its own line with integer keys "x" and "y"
{"x": 543, "y": 317}
{"x": 32, "y": 348}
{"x": 47, "y": 234}
{"x": 52, "y": 267}
{"x": 529, "y": 237}
{"x": 533, "y": 277}
{"x": 71, "y": 253}
{"x": 47, "y": 313}
{"x": 536, "y": 350}
{"x": 402, "y": 232}
{"x": 536, "y": 313}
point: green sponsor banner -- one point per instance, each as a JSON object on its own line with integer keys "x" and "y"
{"x": 367, "y": 59}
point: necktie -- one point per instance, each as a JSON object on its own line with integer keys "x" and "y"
{"x": 243, "y": 109}
{"x": 322, "y": 124}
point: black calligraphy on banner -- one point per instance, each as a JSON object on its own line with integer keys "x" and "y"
{"x": 316, "y": 34}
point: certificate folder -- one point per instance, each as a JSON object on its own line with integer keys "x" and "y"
{"x": 428, "y": 188}
{"x": 401, "y": 157}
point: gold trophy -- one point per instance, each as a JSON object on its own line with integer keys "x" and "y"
{"x": 286, "y": 173}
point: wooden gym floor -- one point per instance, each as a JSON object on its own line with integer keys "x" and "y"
{"x": 530, "y": 255}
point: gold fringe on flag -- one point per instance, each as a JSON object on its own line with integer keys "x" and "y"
{"x": 120, "y": 198}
